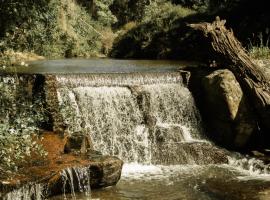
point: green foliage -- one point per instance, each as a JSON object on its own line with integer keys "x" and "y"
{"x": 157, "y": 36}
{"x": 18, "y": 122}
{"x": 261, "y": 52}
{"x": 260, "y": 49}
{"x": 208, "y": 5}
{"x": 53, "y": 28}
{"x": 18, "y": 18}
{"x": 165, "y": 12}
{"x": 128, "y": 10}
{"x": 103, "y": 12}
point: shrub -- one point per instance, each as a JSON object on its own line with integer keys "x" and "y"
{"x": 128, "y": 10}
{"x": 158, "y": 36}
{"x": 107, "y": 40}
{"x": 165, "y": 12}
{"x": 103, "y": 13}
{"x": 10, "y": 57}
{"x": 53, "y": 28}
{"x": 18, "y": 122}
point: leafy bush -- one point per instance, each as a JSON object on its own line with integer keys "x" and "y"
{"x": 162, "y": 34}
{"x": 18, "y": 122}
{"x": 103, "y": 12}
{"x": 128, "y": 10}
{"x": 165, "y": 12}
{"x": 53, "y": 28}
{"x": 10, "y": 57}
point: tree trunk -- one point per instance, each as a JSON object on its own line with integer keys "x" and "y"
{"x": 232, "y": 55}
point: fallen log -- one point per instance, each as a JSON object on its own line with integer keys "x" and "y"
{"x": 229, "y": 51}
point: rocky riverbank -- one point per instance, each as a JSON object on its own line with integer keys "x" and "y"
{"x": 49, "y": 173}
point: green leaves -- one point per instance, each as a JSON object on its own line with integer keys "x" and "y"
{"x": 18, "y": 122}
{"x": 38, "y": 27}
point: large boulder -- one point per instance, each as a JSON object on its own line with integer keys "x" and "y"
{"x": 229, "y": 117}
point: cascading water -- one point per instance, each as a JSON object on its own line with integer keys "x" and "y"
{"x": 29, "y": 192}
{"x": 76, "y": 179}
{"x": 73, "y": 179}
{"x": 134, "y": 119}
{"x": 150, "y": 121}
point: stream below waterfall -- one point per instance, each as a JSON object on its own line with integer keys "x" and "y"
{"x": 143, "y": 113}
{"x": 184, "y": 182}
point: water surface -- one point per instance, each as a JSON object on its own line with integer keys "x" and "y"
{"x": 184, "y": 182}
{"x": 71, "y": 66}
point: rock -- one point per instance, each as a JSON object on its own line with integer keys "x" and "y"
{"x": 230, "y": 119}
{"x": 169, "y": 134}
{"x": 170, "y": 146}
{"x": 78, "y": 142}
{"x": 199, "y": 153}
{"x": 102, "y": 170}
{"x": 185, "y": 76}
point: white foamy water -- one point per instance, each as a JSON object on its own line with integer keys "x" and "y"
{"x": 253, "y": 168}
{"x": 28, "y": 192}
{"x": 155, "y": 172}
{"x": 137, "y": 123}
{"x": 76, "y": 179}
{"x": 98, "y": 80}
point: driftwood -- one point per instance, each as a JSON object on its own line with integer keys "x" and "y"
{"x": 232, "y": 55}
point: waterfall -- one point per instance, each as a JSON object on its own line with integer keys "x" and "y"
{"x": 149, "y": 119}
{"x": 28, "y": 192}
{"x": 76, "y": 179}
{"x": 118, "y": 79}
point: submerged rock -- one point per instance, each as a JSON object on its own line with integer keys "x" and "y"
{"x": 229, "y": 116}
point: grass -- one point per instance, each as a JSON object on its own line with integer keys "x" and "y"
{"x": 261, "y": 50}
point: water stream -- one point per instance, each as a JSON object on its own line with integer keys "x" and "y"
{"x": 76, "y": 179}
{"x": 28, "y": 192}
{"x": 147, "y": 117}
{"x": 150, "y": 121}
